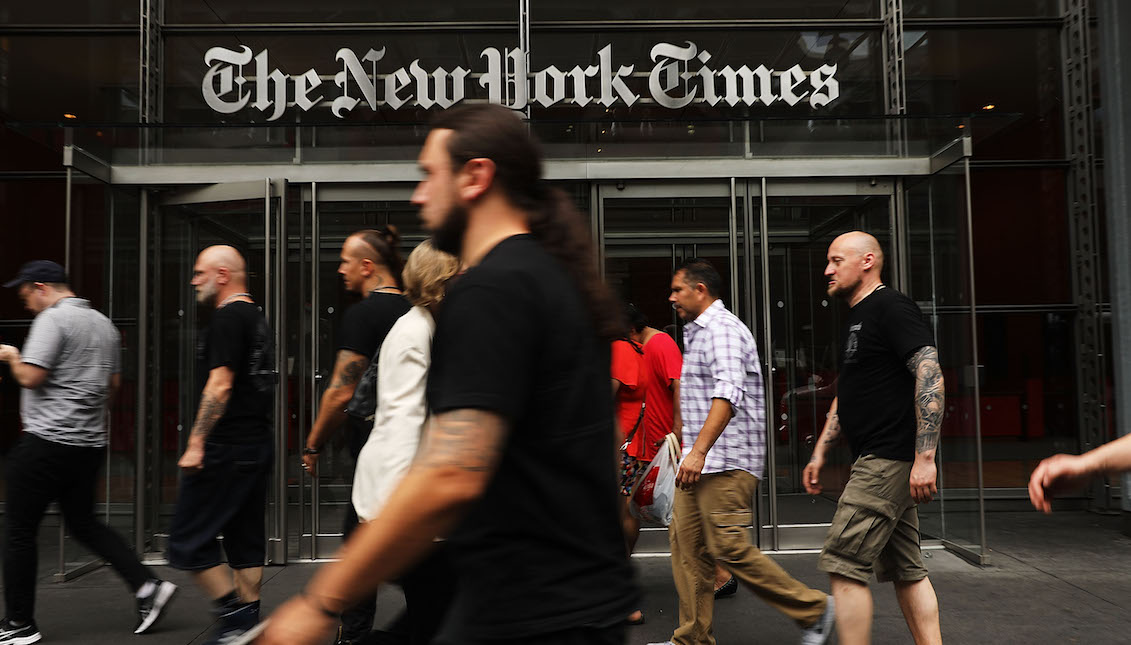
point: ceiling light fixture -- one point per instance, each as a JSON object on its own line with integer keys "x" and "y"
{"x": 68, "y": 115}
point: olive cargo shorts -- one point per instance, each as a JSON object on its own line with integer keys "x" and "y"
{"x": 876, "y": 525}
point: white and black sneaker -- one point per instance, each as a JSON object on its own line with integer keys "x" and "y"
{"x": 25, "y": 634}
{"x": 151, "y": 605}
{"x": 819, "y": 632}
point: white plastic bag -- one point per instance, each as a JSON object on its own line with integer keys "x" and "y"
{"x": 653, "y": 495}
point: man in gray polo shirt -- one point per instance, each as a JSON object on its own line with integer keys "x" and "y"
{"x": 69, "y": 369}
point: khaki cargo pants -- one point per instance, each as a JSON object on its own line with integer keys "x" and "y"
{"x": 876, "y": 526}
{"x": 708, "y": 524}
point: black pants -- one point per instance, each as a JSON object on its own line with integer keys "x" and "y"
{"x": 40, "y": 472}
{"x": 357, "y": 621}
{"x": 428, "y": 591}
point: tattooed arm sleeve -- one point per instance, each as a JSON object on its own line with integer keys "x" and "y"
{"x": 213, "y": 401}
{"x": 830, "y": 434}
{"x": 348, "y": 369}
{"x": 929, "y": 395}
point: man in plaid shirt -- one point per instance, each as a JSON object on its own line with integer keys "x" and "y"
{"x": 722, "y": 401}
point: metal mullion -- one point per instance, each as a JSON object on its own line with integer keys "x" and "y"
{"x": 69, "y": 30}
{"x": 982, "y": 23}
{"x": 732, "y": 235}
{"x": 768, "y": 377}
{"x": 303, "y": 352}
{"x": 142, "y": 373}
{"x": 974, "y": 354}
{"x": 280, "y": 331}
{"x": 308, "y": 28}
{"x": 524, "y": 38}
{"x": 315, "y": 293}
{"x": 851, "y": 24}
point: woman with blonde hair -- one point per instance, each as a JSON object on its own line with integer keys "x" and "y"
{"x": 402, "y": 411}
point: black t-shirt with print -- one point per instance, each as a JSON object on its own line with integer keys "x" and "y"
{"x": 876, "y": 390}
{"x": 542, "y": 551}
{"x": 238, "y": 337}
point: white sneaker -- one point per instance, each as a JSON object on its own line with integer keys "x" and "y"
{"x": 820, "y": 631}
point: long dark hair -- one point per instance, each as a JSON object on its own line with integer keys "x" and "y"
{"x": 384, "y": 242}
{"x": 496, "y": 133}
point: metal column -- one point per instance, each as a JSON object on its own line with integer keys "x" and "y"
{"x": 1083, "y": 233}
{"x": 1115, "y": 79}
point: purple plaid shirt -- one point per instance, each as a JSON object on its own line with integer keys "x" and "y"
{"x": 721, "y": 362}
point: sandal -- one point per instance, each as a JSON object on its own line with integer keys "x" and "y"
{"x": 729, "y": 588}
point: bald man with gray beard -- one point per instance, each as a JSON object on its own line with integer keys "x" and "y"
{"x": 889, "y": 406}
{"x": 228, "y": 454}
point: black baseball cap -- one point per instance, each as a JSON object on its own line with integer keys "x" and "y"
{"x": 38, "y": 271}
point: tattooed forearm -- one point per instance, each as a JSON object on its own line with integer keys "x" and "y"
{"x": 929, "y": 395}
{"x": 832, "y": 430}
{"x": 348, "y": 371}
{"x": 470, "y": 440}
{"x": 211, "y": 409}
{"x": 829, "y": 435}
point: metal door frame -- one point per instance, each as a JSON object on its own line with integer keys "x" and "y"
{"x": 272, "y": 192}
{"x": 772, "y": 534}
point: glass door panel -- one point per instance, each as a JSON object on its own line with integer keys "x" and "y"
{"x": 805, "y": 325}
{"x": 941, "y": 281}
{"x": 184, "y": 223}
{"x": 331, "y": 213}
{"x": 647, "y": 230}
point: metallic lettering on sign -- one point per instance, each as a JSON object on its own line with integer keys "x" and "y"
{"x": 665, "y": 75}
{"x": 680, "y": 76}
{"x": 502, "y": 80}
{"x": 614, "y": 82}
{"x": 352, "y": 68}
{"x": 220, "y": 61}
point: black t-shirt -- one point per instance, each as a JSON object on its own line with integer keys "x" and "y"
{"x": 876, "y": 390}
{"x": 542, "y": 550}
{"x": 366, "y": 323}
{"x": 363, "y": 329}
{"x": 239, "y": 338}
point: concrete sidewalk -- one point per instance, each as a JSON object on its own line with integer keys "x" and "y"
{"x": 1059, "y": 579}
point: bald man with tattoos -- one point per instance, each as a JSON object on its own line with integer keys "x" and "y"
{"x": 889, "y": 406}
{"x": 228, "y": 453}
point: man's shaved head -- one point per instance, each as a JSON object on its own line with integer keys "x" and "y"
{"x": 855, "y": 261}
{"x": 861, "y": 243}
{"x": 218, "y": 269}
{"x": 226, "y": 257}
{"x": 359, "y": 249}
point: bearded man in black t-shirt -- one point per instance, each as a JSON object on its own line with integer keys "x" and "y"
{"x": 228, "y": 455}
{"x": 517, "y": 466}
{"x": 889, "y": 406}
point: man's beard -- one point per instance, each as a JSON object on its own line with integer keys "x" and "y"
{"x": 842, "y": 291}
{"x": 206, "y": 293}
{"x": 448, "y": 236}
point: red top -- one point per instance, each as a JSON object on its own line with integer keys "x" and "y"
{"x": 662, "y": 362}
{"x": 628, "y": 368}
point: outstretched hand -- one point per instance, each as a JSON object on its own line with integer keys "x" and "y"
{"x": 1057, "y": 474}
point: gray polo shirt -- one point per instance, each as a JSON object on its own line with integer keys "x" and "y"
{"x": 79, "y": 348}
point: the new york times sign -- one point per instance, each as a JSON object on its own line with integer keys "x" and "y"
{"x": 678, "y": 77}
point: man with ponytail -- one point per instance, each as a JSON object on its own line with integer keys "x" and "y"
{"x": 370, "y": 266}
{"x": 511, "y": 468}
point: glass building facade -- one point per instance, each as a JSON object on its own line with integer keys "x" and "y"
{"x": 963, "y": 134}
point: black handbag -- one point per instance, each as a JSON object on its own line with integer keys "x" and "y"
{"x": 363, "y": 403}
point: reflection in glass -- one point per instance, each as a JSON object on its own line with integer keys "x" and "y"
{"x": 952, "y": 71}
{"x": 805, "y": 329}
